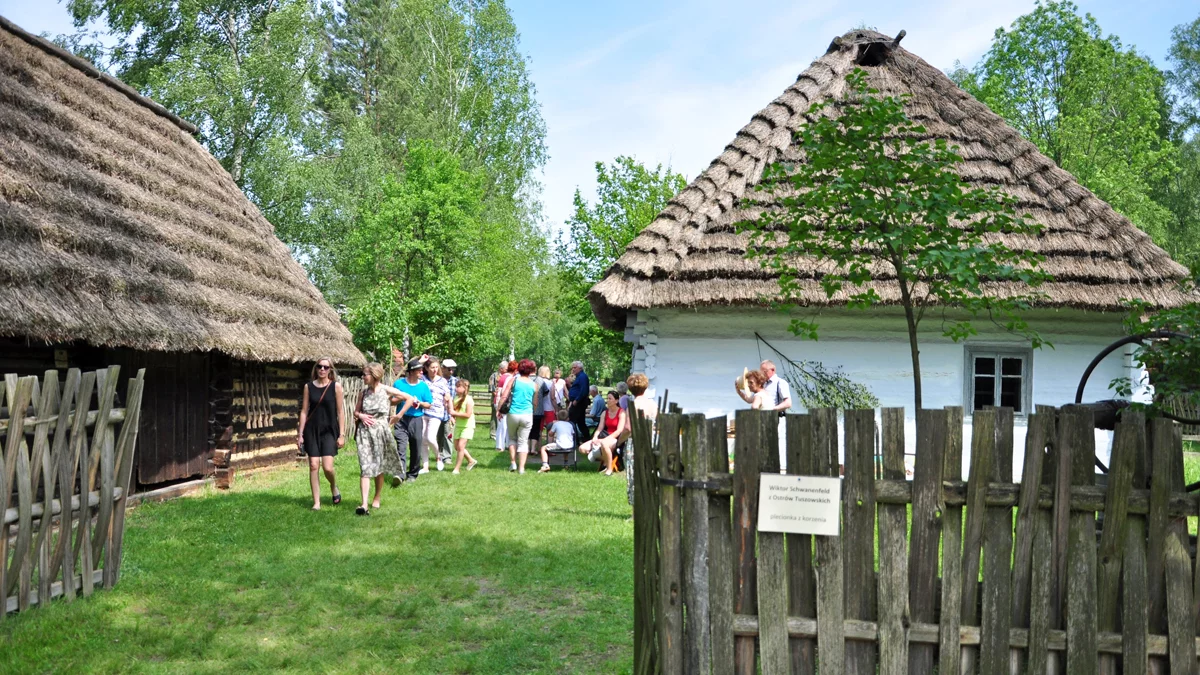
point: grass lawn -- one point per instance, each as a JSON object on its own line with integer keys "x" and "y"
{"x": 485, "y": 572}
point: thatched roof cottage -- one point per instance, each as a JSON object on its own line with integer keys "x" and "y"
{"x": 691, "y": 302}
{"x": 123, "y": 241}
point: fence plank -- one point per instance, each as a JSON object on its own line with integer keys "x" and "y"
{"x": 1031, "y": 480}
{"x": 950, "y": 652}
{"x": 65, "y": 553}
{"x": 1112, "y": 539}
{"x": 893, "y": 556}
{"x": 858, "y": 533}
{"x": 720, "y": 555}
{"x": 670, "y": 604}
{"x": 125, "y": 449}
{"x": 1135, "y": 609}
{"x": 1181, "y": 620}
{"x": 697, "y": 638}
{"x": 645, "y": 546}
{"x": 1160, "y": 492}
{"x": 1077, "y": 439}
{"x": 1037, "y": 655}
{"x": 16, "y": 465}
{"x": 102, "y": 463}
{"x": 747, "y": 446}
{"x": 802, "y": 601}
{"x": 831, "y": 644}
{"x": 996, "y": 616}
{"x": 772, "y": 567}
{"x": 926, "y": 529}
{"x": 43, "y": 469}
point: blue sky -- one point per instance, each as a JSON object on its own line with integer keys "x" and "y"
{"x": 672, "y": 81}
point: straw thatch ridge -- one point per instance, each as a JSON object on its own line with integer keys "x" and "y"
{"x": 117, "y": 228}
{"x": 690, "y": 255}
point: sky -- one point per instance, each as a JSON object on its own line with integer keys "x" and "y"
{"x": 671, "y": 81}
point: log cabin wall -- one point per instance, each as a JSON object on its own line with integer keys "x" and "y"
{"x": 264, "y": 412}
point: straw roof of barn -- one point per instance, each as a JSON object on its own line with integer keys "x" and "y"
{"x": 690, "y": 256}
{"x": 117, "y": 228}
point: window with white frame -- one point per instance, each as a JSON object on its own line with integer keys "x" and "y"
{"x": 999, "y": 377}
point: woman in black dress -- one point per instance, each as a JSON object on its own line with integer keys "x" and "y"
{"x": 322, "y": 427}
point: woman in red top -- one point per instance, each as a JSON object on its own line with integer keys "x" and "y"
{"x": 608, "y": 433}
{"x": 501, "y": 421}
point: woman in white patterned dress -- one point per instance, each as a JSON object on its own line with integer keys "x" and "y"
{"x": 377, "y": 452}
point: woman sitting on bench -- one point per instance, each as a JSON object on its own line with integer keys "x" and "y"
{"x": 608, "y": 434}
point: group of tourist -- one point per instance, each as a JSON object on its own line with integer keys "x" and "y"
{"x": 533, "y": 411}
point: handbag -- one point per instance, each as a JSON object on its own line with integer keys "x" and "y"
{"x": 506, "y": 404}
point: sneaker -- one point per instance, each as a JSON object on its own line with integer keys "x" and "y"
{"x": 396, "y": 481}
{"x": 423, "y": 470}
{"x": 441, "y": 466}
{"x": 512, "y": 467}
{"x": 472, "y": 464}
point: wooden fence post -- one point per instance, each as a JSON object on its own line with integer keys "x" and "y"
{"x": 893, "y": 555}
{"x": 1077, "y": 439}
{"x": 772, "y": 565}
{"x": 996, "y": 615}
{"x": 802, "y": 601}
{"x": 670, "y": 604}
{"x": 950, "y": 647}
{"x": 831, "y": 644}
{"x": 926, "y": 530}
{"x": 747, "y": 446}
{"x": 645, "y": 547}
{"x": 858, "y": 533}
{"x": 1039, "y": 577}
{"x": 720, "y": 553}
{"x": 1112, "y": 539}
{"x": 697, "y": 645}
{"x": 1157, "y": 527}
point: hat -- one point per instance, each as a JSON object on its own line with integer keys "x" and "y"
{"x": 414, "y": 364}
{"x": 449, "y": 363}
{"x": 741, "y": 382}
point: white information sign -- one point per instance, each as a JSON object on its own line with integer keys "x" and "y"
{"x": 799, "y": 504}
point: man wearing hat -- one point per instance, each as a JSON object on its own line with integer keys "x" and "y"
{"x": 409, "y": 431}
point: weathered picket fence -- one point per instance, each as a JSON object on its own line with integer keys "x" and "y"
{"x": 68, "y": 466}
{"x": 962, "y": 588}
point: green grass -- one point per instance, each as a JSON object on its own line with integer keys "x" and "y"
{"x": 486, "y": 572}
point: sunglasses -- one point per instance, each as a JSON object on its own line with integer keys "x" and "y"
{"x": 323, "y": 367}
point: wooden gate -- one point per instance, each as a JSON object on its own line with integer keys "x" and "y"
{"x": 67, "y": 466}
{"x": 962, "y": 588}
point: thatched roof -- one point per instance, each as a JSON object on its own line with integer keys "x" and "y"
{"x": 691, "y": 257}
{"x": 117, "y": 228}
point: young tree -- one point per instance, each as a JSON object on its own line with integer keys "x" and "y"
{"x": 1087, "y": 102}
{"x": 628, "y": 197}
{"x": 886, "y": 209}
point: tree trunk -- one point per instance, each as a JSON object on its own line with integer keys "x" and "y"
{"x": 916, "y": 353}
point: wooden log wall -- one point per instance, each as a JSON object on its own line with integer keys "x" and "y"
{"x": 64, "y": 479}
{"x": 1060, "y": 573}
{"x": 259, "y": 437}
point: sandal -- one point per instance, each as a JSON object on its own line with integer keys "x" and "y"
{"x": 545, "y": 469}
{"x": 337, "y": 498}
{"x": 360, "y": 511}
{"x": 472, "y": 464}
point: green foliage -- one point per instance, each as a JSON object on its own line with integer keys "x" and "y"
{"x": 816, "y": 386}
{"x": 1184, "y": 56}
{"x": 378, "y": 322}
{"x": 448, "y": 319}
{"x": 1088, "y": 103}
{"x": 628, "y": 197}
{"x": 1179, "y": 191}
{"x": 1172, "y": 364}
{"x": 879, "y": 207}
{"x": 236, "y": 69}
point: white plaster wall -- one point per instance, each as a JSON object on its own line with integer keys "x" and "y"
{"x": 698, "y": 355}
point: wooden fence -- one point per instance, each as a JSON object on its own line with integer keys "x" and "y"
{"x": 68, "y": 466}
{"x": 961, "y": 588}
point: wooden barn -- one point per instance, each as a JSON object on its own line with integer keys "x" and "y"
{"x": 122, "y": 241}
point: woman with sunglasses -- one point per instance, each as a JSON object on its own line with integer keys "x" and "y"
{"x": 322, "y": 427}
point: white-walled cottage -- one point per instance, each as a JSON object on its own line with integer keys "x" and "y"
{"x": 691, "y": 303}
